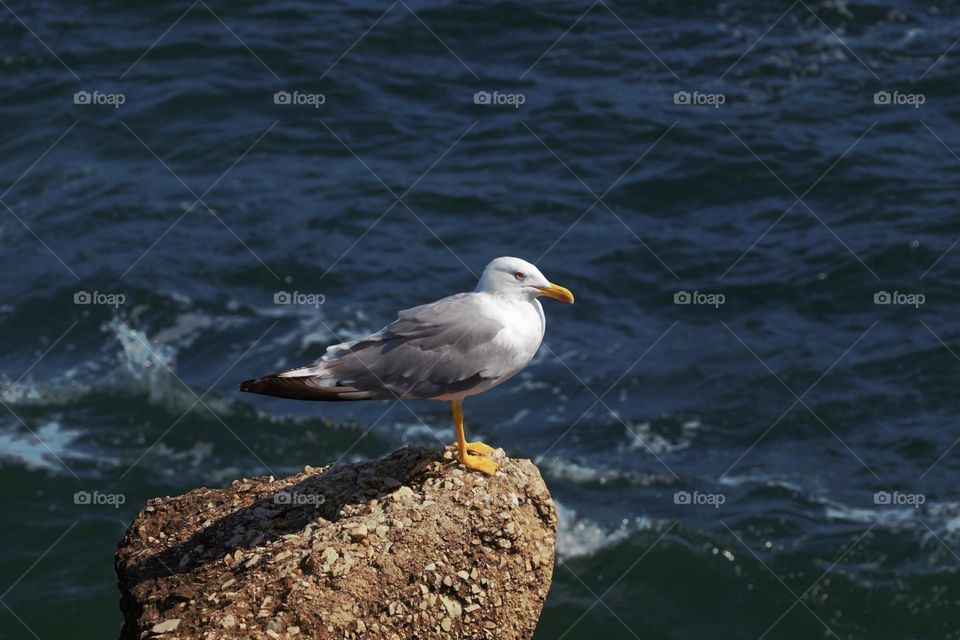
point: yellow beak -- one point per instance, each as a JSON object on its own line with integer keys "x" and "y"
{"x": 557, "y": 292}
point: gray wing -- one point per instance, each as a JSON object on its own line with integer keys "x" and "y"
{"x": 431, "y": 350}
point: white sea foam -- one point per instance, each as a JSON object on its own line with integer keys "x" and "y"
{"x": 146, "y": 365}
{"x": 560, "y": 469}
{"x": 555, "y": 467}
{"x": 942, "y": 517}
{"x": 150, "y": 366}
{"x": 188, "y": 327}
{"x": 767, "y": 481}
{"x": 579, "y": 537}
{"x": 41, "y": 451}
{"x": 643, "y": 436}
{"x": 422, "y": 433}
{"x": 31, "y": 393}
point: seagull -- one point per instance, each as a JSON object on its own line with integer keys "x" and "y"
{"x": 445, "y": 350}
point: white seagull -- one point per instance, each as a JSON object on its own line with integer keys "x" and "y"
{"x": 450, "y": 349}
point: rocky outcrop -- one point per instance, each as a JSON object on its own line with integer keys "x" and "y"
{"x": 407, "y": 546}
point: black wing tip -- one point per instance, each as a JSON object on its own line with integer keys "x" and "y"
{"x": 267, "y": 385}
{"x": 275, "y": 386}
{"x": 302, "y": 388}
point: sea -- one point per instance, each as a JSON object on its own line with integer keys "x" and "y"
{"x": 748, "y": 419}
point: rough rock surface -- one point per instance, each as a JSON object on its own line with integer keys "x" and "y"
{"x": 407, "y": 546}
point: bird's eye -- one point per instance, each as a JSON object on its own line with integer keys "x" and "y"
{"x": 518, "y": 275}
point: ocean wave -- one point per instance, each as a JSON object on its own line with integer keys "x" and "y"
{"x": 31, "y": 393}
{"x": 582, "y": 537}
{"x": 150, "y": 367}
{"x": 558, "y": 468}
{"x": 942, "y": 517}
{"x": 50, "y": 447}
{"x": 646, "y": 437}
{"x": 423, "y": 434}
{"x": 146, "y": 366}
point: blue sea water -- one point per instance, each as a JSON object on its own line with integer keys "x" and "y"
{"x": 748, "y": 419}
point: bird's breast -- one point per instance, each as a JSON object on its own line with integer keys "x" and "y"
{"x": 523, "y": 327}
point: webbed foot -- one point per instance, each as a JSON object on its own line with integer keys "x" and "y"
{"x": 479, "y": 449}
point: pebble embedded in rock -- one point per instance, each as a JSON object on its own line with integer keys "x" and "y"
{"x": 452, "y": 606}
{"x": 330, "y": 555}
{"x": 403, "y": 493}
{"x": 165, "y": 626}
{"x": 358, "y": 533}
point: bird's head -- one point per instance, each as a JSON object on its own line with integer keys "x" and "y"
{"x": 518, "y": 278}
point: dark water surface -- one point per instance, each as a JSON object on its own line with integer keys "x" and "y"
{"x": 812, "y": 430}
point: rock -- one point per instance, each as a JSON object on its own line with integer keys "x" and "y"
{"x": 358, "y": 533}
{"x": 404, "y": 493}
{"x": 408, "y": 545}
{"x": 165, "y": 626}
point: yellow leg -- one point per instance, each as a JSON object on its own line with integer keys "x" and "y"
{"x": 478, "y": 461}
